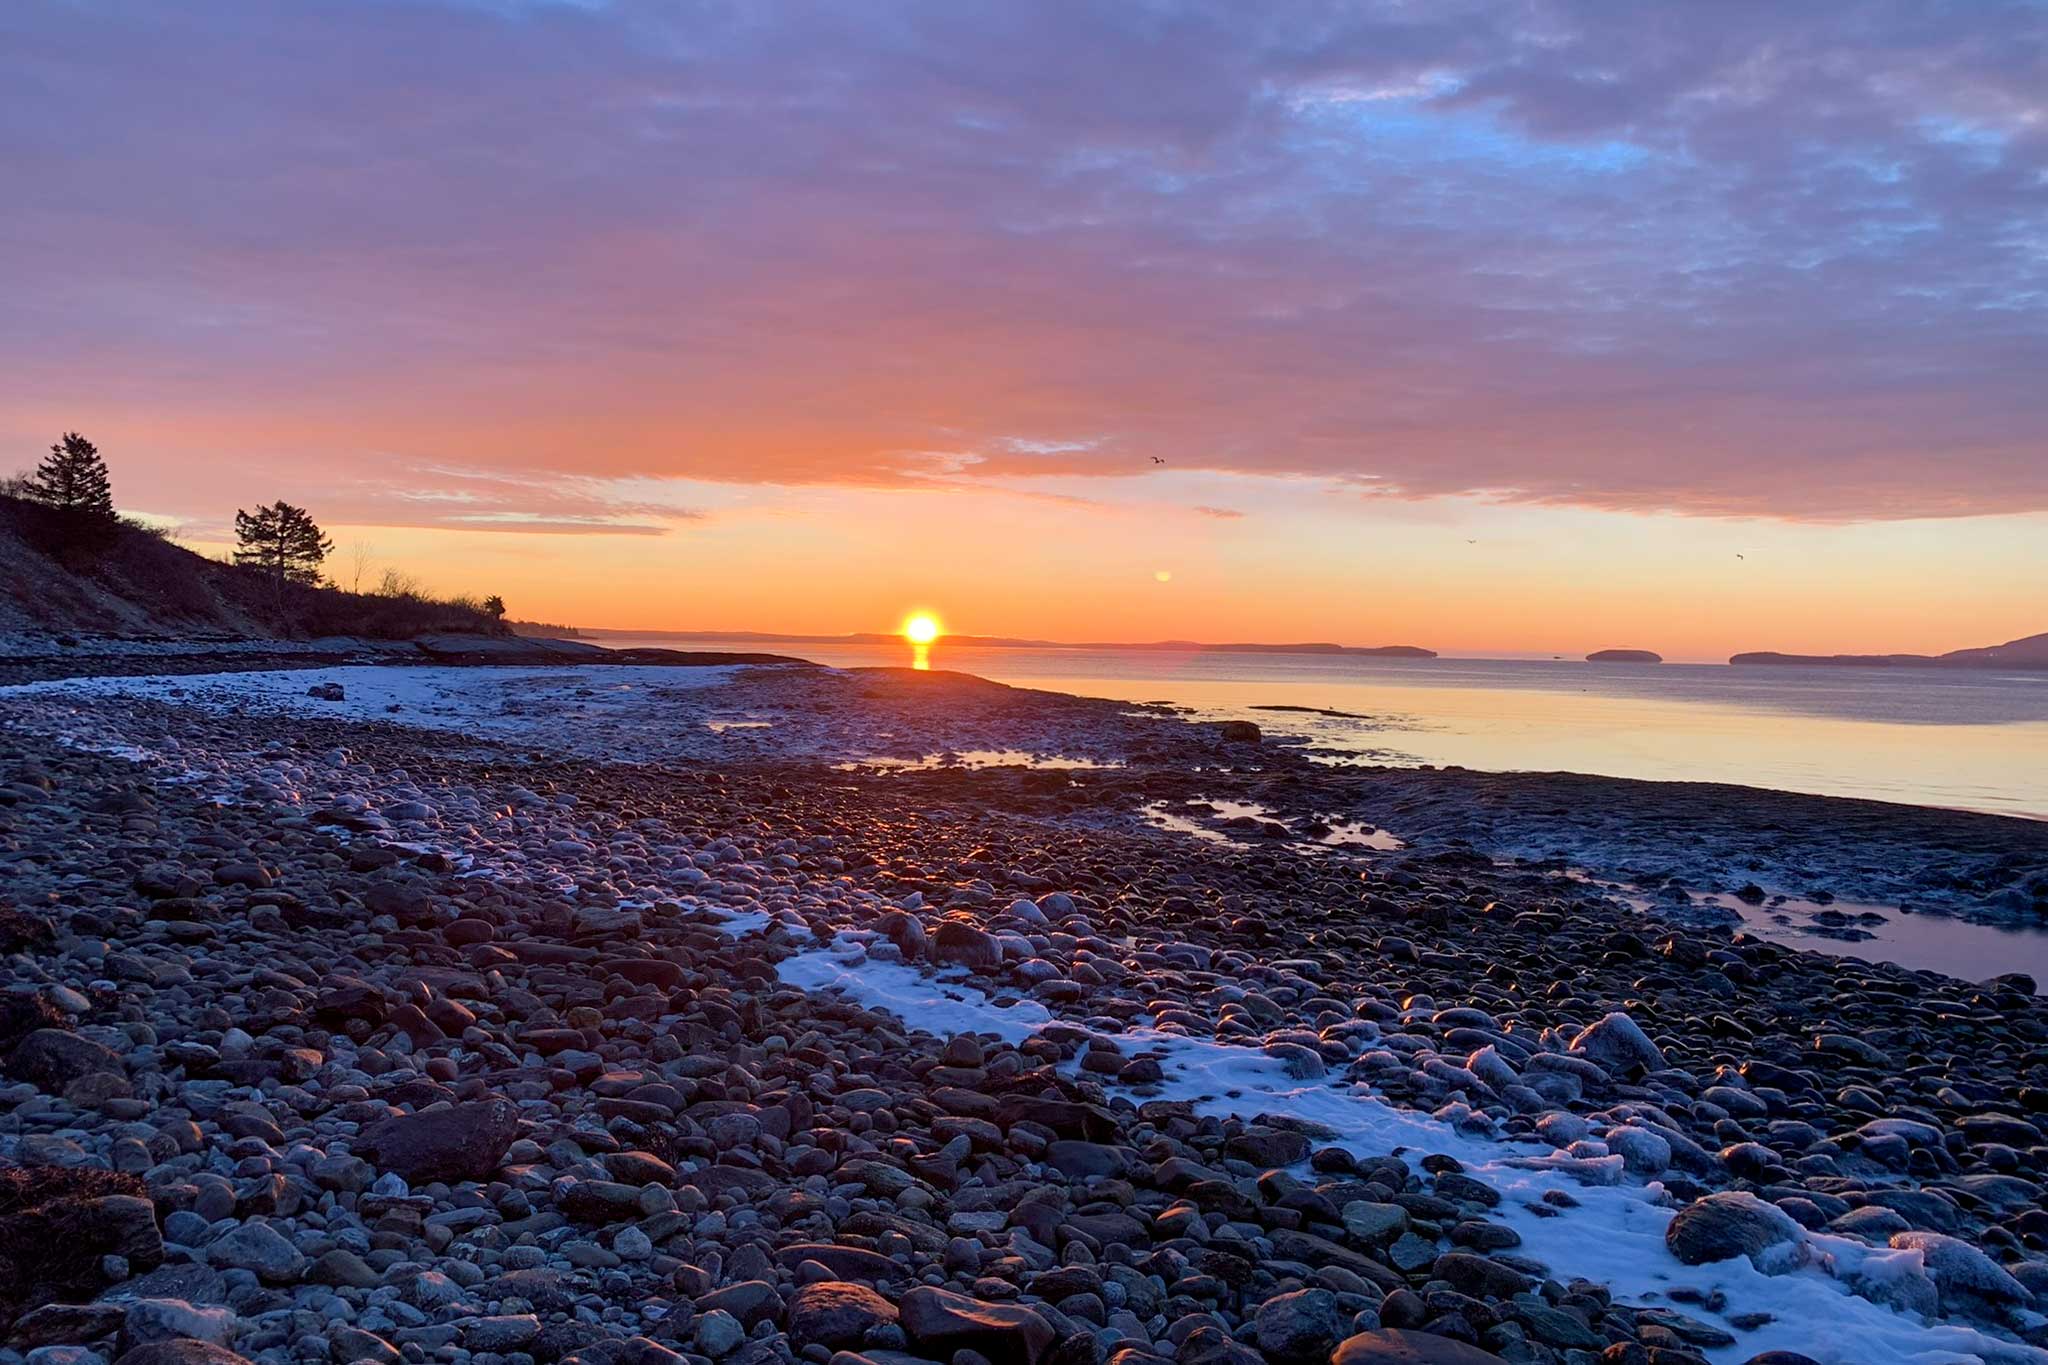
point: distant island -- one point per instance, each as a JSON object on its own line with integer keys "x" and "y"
{"x": 1011, "y": 642}
{"x": 2030, "y": 652}
{"x": 1624, "y": 656}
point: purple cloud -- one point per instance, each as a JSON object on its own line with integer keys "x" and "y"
{"x": 1740, "y": 259}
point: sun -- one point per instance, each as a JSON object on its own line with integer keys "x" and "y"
{"x": 922, "y": 628}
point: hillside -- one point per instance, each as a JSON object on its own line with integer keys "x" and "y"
{"x": 2028, "y": 652}
{"x": 139, "y": 584}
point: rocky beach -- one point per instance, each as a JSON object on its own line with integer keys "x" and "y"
{"x": 756, "y": 1013}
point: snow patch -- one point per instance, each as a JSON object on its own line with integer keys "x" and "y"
{"x": 1613, "y": 1234}
{"x": 522, "y": 703}
{"x": 927, "y": 1001}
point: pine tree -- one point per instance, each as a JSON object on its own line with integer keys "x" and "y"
{"x": 494, "y": 607}
{"x": 283, "y": 541}
{"x": 73, "y": 478}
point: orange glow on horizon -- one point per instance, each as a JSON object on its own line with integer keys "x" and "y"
{"x": 1465, "y": 579}
{"x": 922, "y": 628}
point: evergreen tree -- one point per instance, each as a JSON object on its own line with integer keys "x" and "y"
{"x": 283, "y": 541}
{"x": 494, "y": 607}
{"x": 73, "y": 478}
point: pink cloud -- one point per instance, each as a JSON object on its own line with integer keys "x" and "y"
{"x": 1747, "y": 260}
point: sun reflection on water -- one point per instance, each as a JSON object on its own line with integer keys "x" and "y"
{"x": 922, "y": 630}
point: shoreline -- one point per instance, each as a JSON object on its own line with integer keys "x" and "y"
{"x": 1686, "y": 846}
{"x": 472, "y": 900}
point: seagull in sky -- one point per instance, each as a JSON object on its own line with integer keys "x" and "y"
{"x": 1157, "y": 460}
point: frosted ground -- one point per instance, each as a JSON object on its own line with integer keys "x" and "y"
{"x": 631, "y": 713}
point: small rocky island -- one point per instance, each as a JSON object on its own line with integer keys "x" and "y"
{"x": 1624, "y": 656}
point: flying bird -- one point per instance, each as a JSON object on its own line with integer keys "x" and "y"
{"x": 1738, "y": 554}
{"x": 1157, "y": 460}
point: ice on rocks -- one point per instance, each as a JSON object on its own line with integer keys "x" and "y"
{"x": 1614, "y": 1235}
{"x": 1617, "y": 1041}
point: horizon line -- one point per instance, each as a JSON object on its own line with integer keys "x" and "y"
{"x": 1312, "y": 647}
{"x": 1322, "y": 648}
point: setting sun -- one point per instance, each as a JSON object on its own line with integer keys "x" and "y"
{"x": 1428, "y": 355}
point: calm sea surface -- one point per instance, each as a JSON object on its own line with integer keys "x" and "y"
{"x": 1971, "y": 740}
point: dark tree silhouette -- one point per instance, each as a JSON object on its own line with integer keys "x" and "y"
{"x": 494, "y": 607}
{"x": 73, "y": 479}
{"x": 283, "y": 541}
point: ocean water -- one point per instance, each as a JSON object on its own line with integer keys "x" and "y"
{"x": 1967, "y": 740}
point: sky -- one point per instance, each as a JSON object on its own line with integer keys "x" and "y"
{"x": 1523, "y": 326}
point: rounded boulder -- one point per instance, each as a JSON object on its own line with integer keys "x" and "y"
{"x": 1722, "y": 1226}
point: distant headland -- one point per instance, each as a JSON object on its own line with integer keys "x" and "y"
{"x": 2029, "y": 652}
